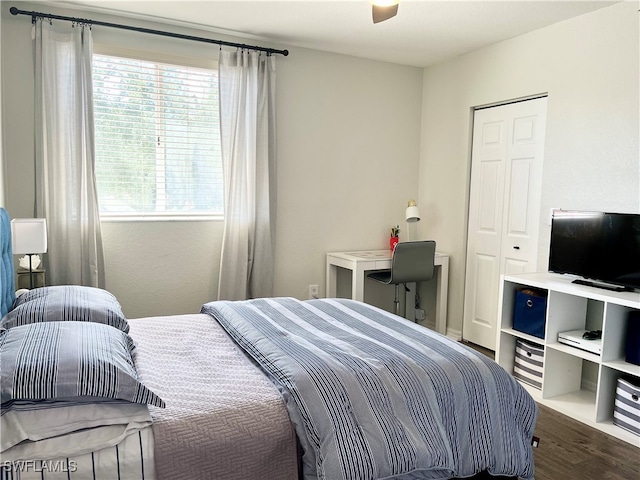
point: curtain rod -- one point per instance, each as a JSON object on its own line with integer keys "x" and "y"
{"x": 34, "y": 15}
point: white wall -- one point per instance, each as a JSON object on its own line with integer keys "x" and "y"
{"x": 348, "y": 152}
{"x": 589, "y": 68}
{"x": 348, "y": 142}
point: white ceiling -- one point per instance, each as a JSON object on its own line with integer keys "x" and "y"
{"x": 422, "y": 34}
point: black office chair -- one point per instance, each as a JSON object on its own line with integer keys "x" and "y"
{"x": 411, "y": 262}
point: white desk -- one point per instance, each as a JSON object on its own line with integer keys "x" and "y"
{"x": 361, "y": 262}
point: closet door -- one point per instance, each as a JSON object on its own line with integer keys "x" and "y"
{"x": 504, "y": 208}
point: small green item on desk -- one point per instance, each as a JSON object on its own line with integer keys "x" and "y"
{"x": 395, "y": 231}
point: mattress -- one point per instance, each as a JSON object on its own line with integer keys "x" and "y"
{"x": 131, "y": 459}
{"x": 223, "y": 419}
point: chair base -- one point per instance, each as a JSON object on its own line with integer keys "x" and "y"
{"x": 396, "y": 301}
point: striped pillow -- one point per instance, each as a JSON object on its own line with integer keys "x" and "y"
{"x": 66, "y": 303}
{"x": 69, "y": 361}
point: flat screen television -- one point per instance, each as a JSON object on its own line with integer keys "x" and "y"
{"x": 602, "y": 248}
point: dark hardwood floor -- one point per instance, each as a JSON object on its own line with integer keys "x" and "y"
{"x": 571, "y": 450}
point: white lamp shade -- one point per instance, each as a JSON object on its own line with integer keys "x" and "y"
{"x": 412, "y": 213}
{"x": 28, "y": 235}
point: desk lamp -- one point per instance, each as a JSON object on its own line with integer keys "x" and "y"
{"x": 412, "y": 215}
{"x": 29, "y": 236}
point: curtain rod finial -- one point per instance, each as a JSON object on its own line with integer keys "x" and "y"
{"x": 13, "y": 10}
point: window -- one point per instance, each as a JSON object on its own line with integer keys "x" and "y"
{"x": 157, "y": 138}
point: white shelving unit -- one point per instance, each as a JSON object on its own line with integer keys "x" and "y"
{"x": 568, "y": 385}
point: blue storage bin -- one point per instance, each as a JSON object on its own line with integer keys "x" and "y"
{"x": 632, "y": 342}
{"x": 530, "y": 311}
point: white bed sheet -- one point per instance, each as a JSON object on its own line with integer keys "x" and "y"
{"x": 60, "y": 430}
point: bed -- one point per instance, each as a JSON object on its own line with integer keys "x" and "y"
{"x": 206, "y": 411}
{"x": 260, "y": 389}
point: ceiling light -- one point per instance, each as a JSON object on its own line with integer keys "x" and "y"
{"x": 384, "y": 10}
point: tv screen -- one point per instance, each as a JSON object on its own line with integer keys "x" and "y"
{"x": 598, "y": 246}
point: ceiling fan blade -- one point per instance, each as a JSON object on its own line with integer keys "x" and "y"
{"x": 382, "y": 13}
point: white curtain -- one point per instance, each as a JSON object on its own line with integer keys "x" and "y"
{"x": 247, "y": 124}
{"x": 65, "y": 156}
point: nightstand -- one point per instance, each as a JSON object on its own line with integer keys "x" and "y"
{"x": 22, "y": 278}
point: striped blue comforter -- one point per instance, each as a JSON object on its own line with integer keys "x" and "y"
{"x": 373, "y": 396}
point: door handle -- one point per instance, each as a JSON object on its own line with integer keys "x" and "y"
{"x": 516, "y": 247}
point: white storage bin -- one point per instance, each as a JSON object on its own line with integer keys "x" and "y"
{"x": 626, "y": 413}
{"x": 528, "y": 364}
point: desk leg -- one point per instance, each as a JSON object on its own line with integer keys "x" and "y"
{"x": 442, "y": 291}
{"x": 357, "y": 283}
{"x": 332, "y": 281}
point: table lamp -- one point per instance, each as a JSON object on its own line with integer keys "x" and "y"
{"x": 412, "y": 215}
{"x": 29, "y": 236}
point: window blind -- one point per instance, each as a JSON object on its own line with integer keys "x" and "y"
{"x": 157, "y": 137}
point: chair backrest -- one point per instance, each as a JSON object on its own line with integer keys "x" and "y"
{"x": 413, "y": 261}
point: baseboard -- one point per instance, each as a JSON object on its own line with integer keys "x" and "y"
{"x": 455, "y": 335}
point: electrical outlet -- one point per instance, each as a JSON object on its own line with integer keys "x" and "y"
{"x": 313, "y": 292}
